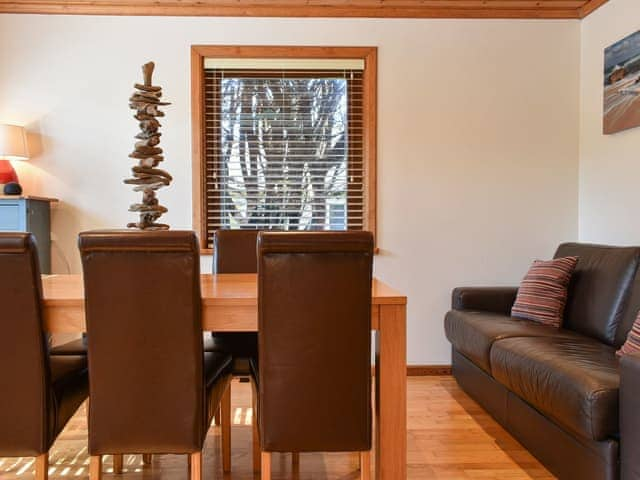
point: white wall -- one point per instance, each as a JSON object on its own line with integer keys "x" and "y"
{"x": 609, "y": 164}
{"x": 478, "y": 136}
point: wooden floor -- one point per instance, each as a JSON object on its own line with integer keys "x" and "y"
{"x": 450, "y": 437}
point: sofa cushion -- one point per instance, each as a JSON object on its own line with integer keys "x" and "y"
{"x": 485, "y": 299}
{"x": 573, "y": 380}
{"x": 632, "y": 344}
{"x": 631, "y": 309}
{"x": 473, "y": 333}
{"x": 599, "y": 288}
{"x": 543, "y": 292}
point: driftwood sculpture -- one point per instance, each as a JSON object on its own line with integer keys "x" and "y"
{"x": 147, "y": 177}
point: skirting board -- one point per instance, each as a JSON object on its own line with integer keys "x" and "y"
{"x": 428, "y": 370}
{"x": 424, "y": 370}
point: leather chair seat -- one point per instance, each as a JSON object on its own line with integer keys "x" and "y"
{"x": 74, "y": 347}
{"x": 573, "y": 380}
{"x": 254, "y": 366}
{"x": 215, "y": 366}
{"x": 79, "y": 346}
{"x": 70, "y": 387}
{"x": 240, "y": 345}
{"x": 473, "y": 333}
{"x": 207, "y": 340}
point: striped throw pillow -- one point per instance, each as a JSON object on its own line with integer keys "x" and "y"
{"x": 543, "y": 292}
{"x": 632, "y": 345}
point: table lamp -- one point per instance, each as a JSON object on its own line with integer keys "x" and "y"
{"x": 13, "y": 146}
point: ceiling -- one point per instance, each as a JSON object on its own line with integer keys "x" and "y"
{"x": 315, "y": 8}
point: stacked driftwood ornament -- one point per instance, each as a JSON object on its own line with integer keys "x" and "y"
{"x": 147, "y": 178}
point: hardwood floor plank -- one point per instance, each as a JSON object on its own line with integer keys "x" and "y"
{"x": 449, "y": 438}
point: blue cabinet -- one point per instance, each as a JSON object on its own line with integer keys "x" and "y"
{"x": 29, "y": 214}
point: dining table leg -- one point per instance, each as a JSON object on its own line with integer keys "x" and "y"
{"x": 391, "y": 394}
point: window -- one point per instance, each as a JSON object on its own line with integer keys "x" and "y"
{"x": 284, "y": 138}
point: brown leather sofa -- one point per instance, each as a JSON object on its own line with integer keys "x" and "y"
{"x": 562, "y": 393}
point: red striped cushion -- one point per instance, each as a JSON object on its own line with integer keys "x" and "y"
{"x": 543, "y": 292}
{"x": 632, "y": 345}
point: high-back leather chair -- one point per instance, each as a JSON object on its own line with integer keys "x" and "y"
{"x": 39, "y": 393}
{"x": 235, "y": 251}
{"x": 314, "y": 370}
{"x": 153, "y": 389}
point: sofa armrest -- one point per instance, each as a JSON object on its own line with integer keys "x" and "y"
{"x": 486, "y": 299}
{"x": 630, "y": 416}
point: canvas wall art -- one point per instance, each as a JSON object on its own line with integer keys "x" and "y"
{"x": 622, "y": 85}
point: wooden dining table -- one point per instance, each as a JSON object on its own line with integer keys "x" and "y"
{"x": 229, "y": 304}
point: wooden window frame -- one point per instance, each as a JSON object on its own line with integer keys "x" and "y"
{"x": 370, "y": 85}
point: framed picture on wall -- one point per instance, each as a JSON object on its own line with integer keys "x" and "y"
{"x": 622, "y": 85}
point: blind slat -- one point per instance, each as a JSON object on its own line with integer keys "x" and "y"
{"x": 293, "y": 120}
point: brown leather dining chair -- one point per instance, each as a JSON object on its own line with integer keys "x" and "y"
{"x": 40, "y": 393}
{"x": 234, "y": 251}
{"x": 314, "y": 369}
{"x": 153, "y": 388}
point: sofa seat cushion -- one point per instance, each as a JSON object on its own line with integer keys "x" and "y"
{"x": 632, "y": 344}
{"x": 574, "y": 380}
{"x": 473, "y": 333}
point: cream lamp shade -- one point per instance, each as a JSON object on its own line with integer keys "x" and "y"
{"x": 13, "y": 143}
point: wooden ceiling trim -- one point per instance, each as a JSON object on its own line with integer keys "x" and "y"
{"x": 508, "y": 9}
{"x": 591, "y": 6}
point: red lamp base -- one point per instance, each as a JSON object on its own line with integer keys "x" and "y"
{"x": 7, "y": 173}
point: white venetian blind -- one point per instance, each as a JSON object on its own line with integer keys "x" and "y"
{"x": 284, "y": 144}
